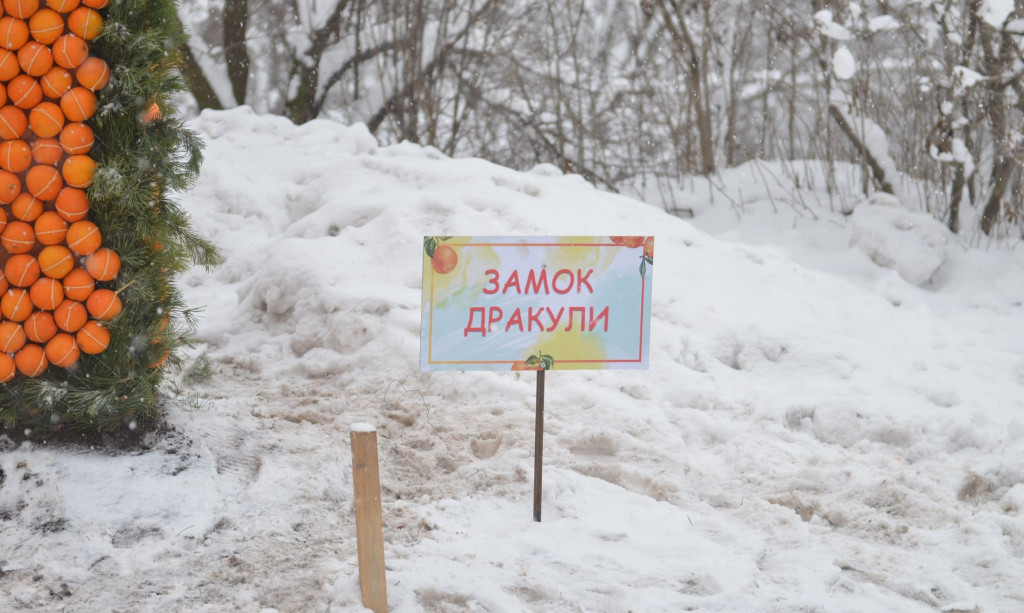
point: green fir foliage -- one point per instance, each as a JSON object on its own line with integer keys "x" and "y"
{"x": 140, "y": 166}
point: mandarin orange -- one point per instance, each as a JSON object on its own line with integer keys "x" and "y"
{"x": 78, "y": 284}
{"x": 93, "y": 337}
{"x": 50, "y": 228}
{"x": 62, "y": 350}
{"x": 31, "y": 360}
{"x": 78, "y": 170}
{"x": 22, "y": 270}
{"x": 55, "y": 261}
{"x": 103, "y": 264}
{"x": 46, "y": 120}
{"x": 47, "y": 151}
{"x": 43, "y": 182}
{"x": 16, "y": 304}
{"x": 69, "y": 315}
{"x": 40, "y": 327}
{"x": 12, "y": 336}
{"x": 83, "y": 237}
{"x": 103, "y": 304}
{"x": 46, "y": 293}
{"x": 27, "y": 207}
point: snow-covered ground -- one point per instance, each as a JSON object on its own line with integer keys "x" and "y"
{"x": 833, "y": 419}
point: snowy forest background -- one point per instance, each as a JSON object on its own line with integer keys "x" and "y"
{"x": 926, "y": 96}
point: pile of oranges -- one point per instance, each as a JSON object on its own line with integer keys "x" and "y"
{"x": 51, "y": 255}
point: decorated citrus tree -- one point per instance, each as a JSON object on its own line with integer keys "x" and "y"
{"x": 91, "y": 239}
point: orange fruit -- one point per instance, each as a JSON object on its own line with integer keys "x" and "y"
{"x": 69, "y": 315}
{"x": 85, "y": 22}
{"x": 160, "y": 329}
{"x": 3, "y": 223}
{"x": 50, "y": 228}
{"x": 31, "y": 360}
{"x": 78, "y": 284}
{"x": 56, "y": 82}
{"x": 46, "y": 120}
{"x": 46, "y": 293}
{"x": 9, "y": 67}
{"x": 72, "y": 204}
{"x": 96, "y": 4}
{"x": 46, "y": 26}
{"x": 69, "y": 51}
{"x": 83, "y": 237}
{"x": 78, "y": 170}
{"x": 103, "y": 264}
{"x": 93, "y": 74}
{"x": 22, "y": 270}
{"x": 18, "y": 237}
{"x": 12, "y": 336}
{"x": 35, "y": 58}
{"x": 103, "y": 304}
{"x": 7, "y": 369}
{"x": 43, "y": 182}
{"x": 152, "y": 114}
{"x": 13, "y": 33}
{"x": 10, "y": 186}
{"x": 24, "y": 92}
{"x": 15, "y": 155}
{"x": 55, "y": 261}
{"x": 3, "y": 94}
{"x": 62, "y": 6}
{"x": 162, "y": 361}
{"x": 13, "y": 122}
{"x": 76, "y": 138}
{"x": 47, "y": 151}
{"x": 27, "y": 208}
{"x": 40, "y": 327}
{"x": 62, "y": 350}
{"x": 15, "y": 304}
{"x": 4, "y": 285}
{"x": 78, "y": 104}
{"x": 22, "y": 9}
{"x": 92, "y": 338}
{"x": 444, "y": 259}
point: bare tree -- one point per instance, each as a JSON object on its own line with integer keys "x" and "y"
{"x": 627, "y": 92}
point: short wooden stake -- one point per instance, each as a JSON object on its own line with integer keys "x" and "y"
{"x": 369, "y": 523}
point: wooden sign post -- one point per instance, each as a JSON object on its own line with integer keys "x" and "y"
{"x": 538, "y": 443}
{"x": 369, "y": 522}
{"x": 536, "y": 303}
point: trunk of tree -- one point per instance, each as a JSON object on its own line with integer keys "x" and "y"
{"x": 202, "y": 91}
{"x": 694, "y": 69}
{"x": 236, "y": 21}
{"x": 955, "y": 196}
{"x": 305, "y": 73}
{"x": 1002, "y": 174}
{"x": 1000, "y": 51}
{"x": 299, "y": 106}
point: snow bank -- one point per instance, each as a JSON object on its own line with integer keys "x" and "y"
{"x": 912, "y": 244}
{"x": 815, "y": 432}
